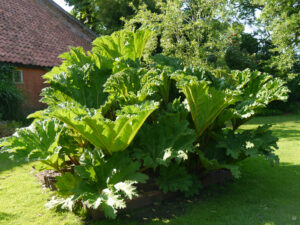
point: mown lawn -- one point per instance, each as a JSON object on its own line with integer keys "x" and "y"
{"x": 264, "y": 195}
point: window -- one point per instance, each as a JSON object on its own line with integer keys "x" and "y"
{"x": 18, "y": 77}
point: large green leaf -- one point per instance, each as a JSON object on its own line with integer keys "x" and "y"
{"x": 227, "y": 147}
{"x": 105, "y": 134}
{"x": 214, "y": 164}
{"x": 122, "y": 44}
{"x": 80, "y": 78}
{"x": 205, "y": 103}
{"x": 82, "y": 75}
{"x": 130, "y": 86}
{"x": 168, "y": 138}
{"x": 255, "y": 91}
{"x": 99, "y": 183}
{"x": 250, "y": 143}
{"x": 39, "y": 141}
{"x": 174, "y": 178}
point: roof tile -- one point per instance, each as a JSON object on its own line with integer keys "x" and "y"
{"x": 34, "y": 32}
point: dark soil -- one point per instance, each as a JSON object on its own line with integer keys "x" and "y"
{"x": 170, "y": 208}
{"x": 153, "y": 204}
{"x": 216, "y": 177}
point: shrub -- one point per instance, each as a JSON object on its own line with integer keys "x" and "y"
{"x": 293, "y": 102}
{"x": 8, "y": 128}
{"x": 115, "y": 120}
{"x": 10, "y": 97}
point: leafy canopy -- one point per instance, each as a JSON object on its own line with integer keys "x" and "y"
{"x": 105, "y": 16}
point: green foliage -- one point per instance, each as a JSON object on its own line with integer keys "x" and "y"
{"x": 79, "y": 79}
{"x": 205, "y": 104}
{"x": 275, "y": 25}
{"x": 193, "y": 31}
{"x": 99, "y": 183}
{"x": 292, "y": 104}
{"x": 245, "y": 51}
{"x": 175, "y": 178}
{"x": 282, "y": 20}
{"x": 236, "y": 59}
{"x": 105, "y": 16}
{"x": 11, "y": 98}
{"x": 123, "y": 45}
{"x": 117, "y": 116}
{"x": 255, "y": 91}
{"x": 249, "y": 143}
{"x": 22, "y": 195}
{"x": 214, "y": 163}
{"x": 249, "y": 43}
{"x": 8, "y": 128}
{"x": 168, "y": 139}
{"x": 104, "y": 134}
{"x": 130, "y": 86}
{"x": 39, "y": 141}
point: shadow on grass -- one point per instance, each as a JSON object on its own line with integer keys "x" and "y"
{"x": 287, "y": 133}
{"x": 6, "y": 216}
{"x": 295, "y": 118}
{"x": 6, "y": 163}
{"x": 263, "y": 195}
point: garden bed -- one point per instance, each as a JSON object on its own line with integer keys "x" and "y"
{"x": 149, "y": 193}
{"x": 48, "y": 178}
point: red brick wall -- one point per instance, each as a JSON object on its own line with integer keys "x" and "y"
{"x": 32, "y": 86}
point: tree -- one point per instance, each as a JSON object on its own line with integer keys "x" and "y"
{"x": 282, "y": 20}
{"x": 277, "y": 22}
{"x": 105, "y": 16}
{"x": 197, "y": 32}
{"x": 201, "y": 31}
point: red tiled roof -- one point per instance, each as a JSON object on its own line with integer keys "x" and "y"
{"x": 36, "y": 32}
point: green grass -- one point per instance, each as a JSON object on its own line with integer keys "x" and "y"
{"x": 264, "y": 195}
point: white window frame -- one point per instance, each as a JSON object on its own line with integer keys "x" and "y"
{"x": 20, "y": 73}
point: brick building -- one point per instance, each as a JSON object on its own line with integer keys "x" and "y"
{"x": 33, "y": 33}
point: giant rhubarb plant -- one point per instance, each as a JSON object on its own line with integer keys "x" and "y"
{"x": 115, "y": 118}
{"x": 105, "y": 134}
